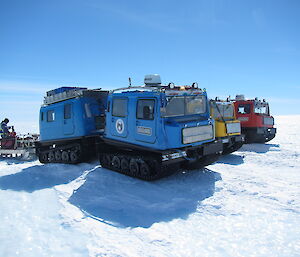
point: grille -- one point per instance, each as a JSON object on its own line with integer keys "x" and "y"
{"x": 233, "y": 127}
{"x": 196, "y": 134}
{"x": 268, "y": 121}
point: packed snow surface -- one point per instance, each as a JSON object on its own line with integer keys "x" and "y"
{"x": 246, "y": 204}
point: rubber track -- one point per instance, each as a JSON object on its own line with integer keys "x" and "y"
{"x": 63, "y": 148}
{"x": 158, "y": 170}
{"x": 233, "y": 148}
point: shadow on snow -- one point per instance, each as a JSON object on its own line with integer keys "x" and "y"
{"x": 232, "y": 159}
{"x": 118, "y": 199}
{"x": 128, "y": 202}
{"x": 41, "y": 176}
{"x": 12, "y": 161}
{"x": 260, "y": 148}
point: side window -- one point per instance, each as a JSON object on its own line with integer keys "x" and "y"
{"x": 87, "y": 110}
{"x": 261, "y": 109}
{"x": 119, "y": 107}
{"x": 145, "y": 109}
{"x": 50, "y": 116}
{"x": 67, "y": 111}
{"x": 42, "y": 116}
{"x": 244, "y": 109}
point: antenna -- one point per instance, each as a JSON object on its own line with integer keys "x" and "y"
{"x": 129, "y": 79}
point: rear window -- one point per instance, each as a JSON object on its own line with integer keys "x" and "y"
{"x": 119, "y": 107}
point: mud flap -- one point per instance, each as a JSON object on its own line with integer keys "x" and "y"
{"x": 213, "y": 148}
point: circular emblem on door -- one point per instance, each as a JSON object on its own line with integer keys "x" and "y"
{"x": 120, "y": 126}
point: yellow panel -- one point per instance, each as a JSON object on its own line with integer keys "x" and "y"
{"x": 220, "y": 129}
{"x": 220, "y": 125}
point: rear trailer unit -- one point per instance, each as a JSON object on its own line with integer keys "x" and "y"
{"x": 154, "y": 129}
{"x": 20, "y": 147}
{"x": 227, "y": 127}
{"x": 71, "y": 122}
{"x": 256, "y": 122}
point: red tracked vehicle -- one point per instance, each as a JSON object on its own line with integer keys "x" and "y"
{"x": 256, "y": 122}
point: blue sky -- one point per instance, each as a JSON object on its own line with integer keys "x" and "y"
{"x": 229, "y": 47}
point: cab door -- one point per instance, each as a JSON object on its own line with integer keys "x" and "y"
{"x": 119, "y": 118}
{"x": 145, "y": 129}
{"x": 68, "y": 125}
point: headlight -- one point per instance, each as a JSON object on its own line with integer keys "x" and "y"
{"x": 196, "y": 134}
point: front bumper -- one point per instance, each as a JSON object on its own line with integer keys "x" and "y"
{"x": 193, "y": 153}
{"x": 266, "y": 131}
{"x": 233, "y": 139}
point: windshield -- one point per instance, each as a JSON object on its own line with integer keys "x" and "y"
{"x": 220, "y": 110}
{"x": 184, "y": 105}
{"x": 262, "y": 109}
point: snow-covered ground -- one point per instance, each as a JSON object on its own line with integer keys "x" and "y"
{"x": 247, "y": 204}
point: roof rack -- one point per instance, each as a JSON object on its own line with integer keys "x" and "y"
{"x": 153, "y": 84}
{"x": 63, "y": 89}
{"x": 158, "y": 88}
{"x": 62, "y": 94}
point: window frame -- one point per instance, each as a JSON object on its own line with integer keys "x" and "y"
{"x": 243, "y": 105}
{"x": 52, "y": 115}
{"x": 266, "y": 112}
{"x": 125, "y": 109}
{"x": 185, "y": 103}
{"x": 215, "y": 107}
{"x": 67, "y": 117}
{"x": 137, "y": 105}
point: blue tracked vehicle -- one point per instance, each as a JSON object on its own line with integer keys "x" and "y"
{"x": 71, "y": 121}
{"x": 152, "y": 129}
{"x": 146, "y": 131}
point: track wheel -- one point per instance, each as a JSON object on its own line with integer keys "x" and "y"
{"x": 74, "y": 156}
{"x": 116, "y": 163}
{"x": 124, "y": 164}
{"x": 65, "y": 157}
{"x": 43, "y": 157}
{"x": 134, "y": 167}
{"x": 57, "y": 156}
{"x": 51, "y": 156}
{"x": 144, "y": 169}
{"x": 105, "y": 161}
